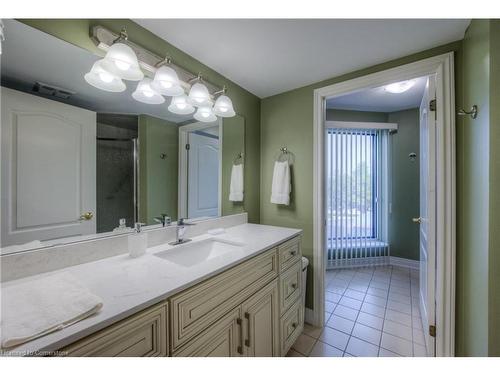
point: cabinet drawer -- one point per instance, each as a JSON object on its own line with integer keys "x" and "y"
{"x": 290, "y": 286}
{"x": 222, "y": 339}
{"x": 291, "y": 326}
{"x": 289, "y": 252}
{"x": 198, "y": 307}
{"x": 142, "y": 335}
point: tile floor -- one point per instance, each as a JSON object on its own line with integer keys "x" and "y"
{"x": 369, "y": 312}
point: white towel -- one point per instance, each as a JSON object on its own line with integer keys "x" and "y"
{"x": 236, "y": 185}
{"x": 35, "y": 308}
{"x": 281, "y": 187}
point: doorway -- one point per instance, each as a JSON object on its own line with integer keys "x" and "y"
{"x": 436, "y": 238}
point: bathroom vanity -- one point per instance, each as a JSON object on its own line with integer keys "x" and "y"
{"x": 234, "y": 294}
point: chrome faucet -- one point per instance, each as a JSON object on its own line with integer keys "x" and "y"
{"x": 164, "y": 219}
{"x": 181, "y": 229}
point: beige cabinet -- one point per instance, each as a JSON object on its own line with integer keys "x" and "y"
{"x": 261, "y": 323}
{"x": 253, "y": 309}
{"x": 142, "y": 335}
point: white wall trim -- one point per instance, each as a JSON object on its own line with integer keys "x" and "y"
{"x": 309, "y": 316}
{"x": 360, "y": 125}
{"x": 403, "y": 262}
{"x": 442, "y": 67}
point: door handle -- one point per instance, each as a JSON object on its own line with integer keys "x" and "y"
{"x": 86, "y": 216}
{"x": 247, "y": 341}
{"x": 417, "y": 220}
{"x": 240, "y": 347}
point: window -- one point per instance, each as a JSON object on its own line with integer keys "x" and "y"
{"x": 352, "y": 189}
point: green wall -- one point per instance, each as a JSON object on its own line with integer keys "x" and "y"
{"x": 403, "y": 233}
{"x": 233, "y": 143}
{"x": 158, "y": 178}
{"x": 76, "y": 31}
{"x": 347, "y": 115}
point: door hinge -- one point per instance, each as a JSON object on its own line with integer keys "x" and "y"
{"x": 432, "y": 105}
{"x": 432, "y": 331}
{"x": 188, "y": 146}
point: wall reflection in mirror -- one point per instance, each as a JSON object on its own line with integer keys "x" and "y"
{"x": 79, "y": 162}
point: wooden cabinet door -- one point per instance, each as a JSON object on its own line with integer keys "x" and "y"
{"x": 261, "y": 323}
{"x": 222, "y": 339}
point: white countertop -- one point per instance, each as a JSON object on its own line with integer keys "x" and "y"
{"x": 128, "y": 285}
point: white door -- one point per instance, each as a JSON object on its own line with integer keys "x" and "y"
{"x": 428, "y": 213}
{"x": 48, "y": 169}
{"x": 203, "y": 175}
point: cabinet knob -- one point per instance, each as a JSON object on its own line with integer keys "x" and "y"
{"x": 86, "y": 216}
{"x": 294, "y": 286}
{"x": 294, "y": 325}
{"x": 293, "y": 252}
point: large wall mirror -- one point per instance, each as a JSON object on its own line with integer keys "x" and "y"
{"x": 78, "y": 161}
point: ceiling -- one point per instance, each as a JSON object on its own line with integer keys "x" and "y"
{"x": 270, "y": 56}
{"x": 380, "y": 100}
{"x": 31, "y": 55}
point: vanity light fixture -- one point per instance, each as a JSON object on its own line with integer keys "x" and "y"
{"x": 399, "y": 87}
{"x": 121, "y": 60}
{"x": 144, "y": 93}
{"x": 198, "y": 94}
{"x": 180, "y": 105}
{"x": 223, "y": 106}
{"x": 104, "y": 80}
{"x": 166, "y": 81}
{"x": 205, "y": 114}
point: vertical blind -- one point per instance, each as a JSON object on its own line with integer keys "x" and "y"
{"x": 353, "y": 187}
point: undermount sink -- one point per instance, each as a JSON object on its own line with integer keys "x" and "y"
{"x": 193, "y": 253}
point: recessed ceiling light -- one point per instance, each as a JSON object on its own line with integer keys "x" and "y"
{"x": 399, "y": 87}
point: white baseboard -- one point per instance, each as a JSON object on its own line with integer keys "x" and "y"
{"x": 309, "y": 316}
{"x": 403, "y": 262}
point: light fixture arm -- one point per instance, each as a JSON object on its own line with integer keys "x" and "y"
{"x": 123, "y": 36}
{"x": 221, "y": 92}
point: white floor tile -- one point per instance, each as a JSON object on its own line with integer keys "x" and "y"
{"x": 398, "y": 306}
{"x": 377, "y": 292}
{"x": 415, "y": 310}
{"x": 398, "y": 329}
{"x": 350, "y": 302}
{"x": 330, "y": 306}
{"x": 397, "y": 345}
{"x": 416, "y": 322}
{"x": 419, "y": 350}
{"x": 370, "y": 320}
{"x": 340, "y": 324}
{"x": 293, "y": 353}
{"x": 366, "y": 333}
{"x": 373, "y": 309}
{"x": 348, "y": 355}
{"x": 386, "y": 353}
{"x": 334, "y": 338}
{"x": 360, "y": 348}
{"x": 396, "y": 289}
{"x": 332, "y": 297}
{"x": 360, "y": 296}
{"x": 383, "y": 286}
{"x": 327, "y": 316}
{"x": 418, "y": 337}
{"x": 312, "y": 330}
{"x": 304, "y": 344}
{"x": 346, "y": 312}
{"x": 401, "y": 298}
{"x": 374, "y": 300}
{"x": 398, "y": 317}
{"x": 321, "y": 349}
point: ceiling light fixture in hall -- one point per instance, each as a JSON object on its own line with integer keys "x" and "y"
{"x": 162, "y": 78}
{"x": 399, "y": 87}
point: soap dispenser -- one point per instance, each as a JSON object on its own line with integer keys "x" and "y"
{"x": 137, "y": 241}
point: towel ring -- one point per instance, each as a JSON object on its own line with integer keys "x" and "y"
{"x": 238, "y": 157}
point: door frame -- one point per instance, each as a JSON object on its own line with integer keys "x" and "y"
{"x": 183, "y": 164}
{"x": 442, "y": 67}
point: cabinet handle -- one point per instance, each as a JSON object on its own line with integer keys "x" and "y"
{"x": 240, "y": 347}
{"x": 247, "y": 341}
{"x": 294, "y": 325}
{"x": 294, "y": 286}
{"x": 293, "y": 252}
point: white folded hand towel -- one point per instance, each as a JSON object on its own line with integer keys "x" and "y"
{"x": 236, "y": 185}
{"x": 281, "y": 187}
{"x": 38, "y": 307}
